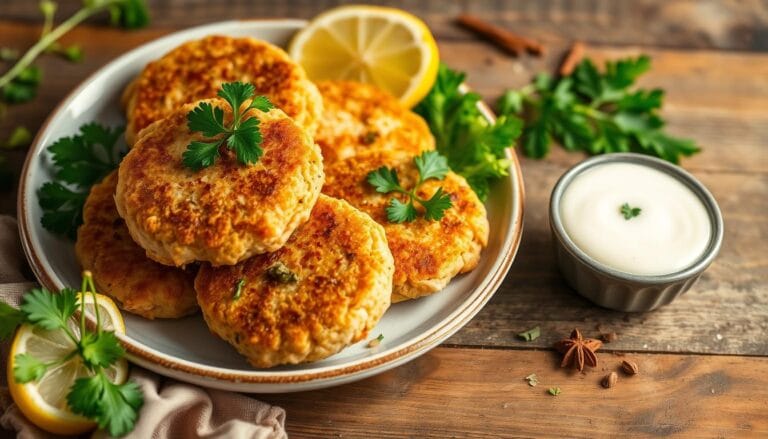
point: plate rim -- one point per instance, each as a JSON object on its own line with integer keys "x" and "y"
{"x": 167, "y": 364}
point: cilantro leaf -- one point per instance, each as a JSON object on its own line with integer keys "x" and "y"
{"x": 101, "y": 349}
{"x": 474, "y": 147}
{"x": 207, "y": 119}
{"x": 245, "y": 140}
{"x": 595, "y": 112}
{"x": 10, "y": 319}
{"x": 261, "y": 103}
{"x": 79, "y": 161}
{"x": 200, "y": 155}
{"x": 235, "y": 93}
{"x": 128, "y": 14}
{"x": 114, "y": 407}
{"x": 435, "y": 207}
{"x": 47, "y": 310}
{"x": 399, "y": 212}
{"x": 27, "y": 368}
{"x": 384, "y": 180}
{"x": 23, "y": 87}
{"x": 431, "y": 165}
{"x": 242, "y": 134}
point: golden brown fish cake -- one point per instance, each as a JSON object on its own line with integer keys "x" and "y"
{"x": 223, "y": 213}
{"x": 195, "y": 70}
{"x": 359, "y": 118}
{"x": 428, "y": 254}
{"x": 325, "y": 289}
{"x": 121, "y": 268}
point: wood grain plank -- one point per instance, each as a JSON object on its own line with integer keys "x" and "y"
{"x": 482, "y": 393}
{"x": 721, "y": 99}
{"x": 729, "y": 24}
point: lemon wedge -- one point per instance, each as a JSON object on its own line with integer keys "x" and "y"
{"x": 44, "y": 402}
{"x": 387, "y": 47}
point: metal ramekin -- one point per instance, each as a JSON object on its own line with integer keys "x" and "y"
{"x": 615, "y": 289}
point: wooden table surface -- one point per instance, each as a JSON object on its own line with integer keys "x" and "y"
{"x": 703, "y": 359}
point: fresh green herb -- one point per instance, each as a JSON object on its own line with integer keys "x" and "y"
{"x": 475, "y": 147}
{"x": 113, "y": 406}
{"x": 531, "y": 334}
{"x": 370, "y": 137}
{"x": 79, "y": 161}
{"x": 595, "y": 112}
{"x": 243, "y": 135}
{"x": 629, "y": 212}
{"x": 376, "y": 341}
{"x": 20, "y": 136}
{"x": 281, "y": 273}
{"x": 16, "y": 84}
{"x": 532, "y": 379}
{"x": 554, "y": 391}
{"x": 430, "y": 164}
{"x": 238, "y": 289}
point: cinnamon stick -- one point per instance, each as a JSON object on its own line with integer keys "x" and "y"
{"x": 572, "y": 58}
{"x": 507, "y": 40}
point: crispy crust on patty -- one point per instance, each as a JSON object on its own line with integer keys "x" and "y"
{"x": 195, "y": 70}
{"x": 121, "y": 268}
{"x": 344, "y": 281}
{"x": 428, "y": 254}
{"x": 359, "y": 118}
{"x": 224, "y": 213}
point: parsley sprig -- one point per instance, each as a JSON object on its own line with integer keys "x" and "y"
{"x": 79, "y": 162}
{"x": 595, "y": 112}
{"x": 431, "y": 165}
{"x": 475, "y": 148}
{"x": 243, "y": 135}
{"x": 629, "y": 212}
{"x": 113, "y": 407}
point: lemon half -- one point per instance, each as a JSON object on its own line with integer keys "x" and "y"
{"x": 387, "y": 47}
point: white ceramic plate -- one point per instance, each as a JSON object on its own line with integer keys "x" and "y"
{"x": 184, "y": 348}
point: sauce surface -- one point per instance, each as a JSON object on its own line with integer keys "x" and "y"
{"x": 669, "y": 234}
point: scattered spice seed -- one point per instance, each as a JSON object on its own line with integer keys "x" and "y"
{"x": 572, "y": 58}
{"x": 532, "y": 379}
{"x": 609, "y": 380}
{"x": 376, "y": 341}
{"x": 629, "y": 367}
{"x": 609, "y": 337}
{"x": 531, "y": 334}
{"x": 554, "y": 391}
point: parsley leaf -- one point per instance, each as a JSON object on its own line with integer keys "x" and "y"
{"x": 238, "y": 288}
{"x": 47, "y": 310}
{"x": 113, "y": 406}
{"x": 242, "y": 134}
{"x": 10, "y": 319}
{"x": 629, "y": 212}
{"x": 101, "y": 349}
{"x": 23, "y": 87}
{"x": 128, "y": 14}
{"x": 79, "y": 161}
{"x": 595, "y": 112}
{"x": 431, "y": 165}
{"x": 474, "y": 147}
{"x": 27, "y": 368}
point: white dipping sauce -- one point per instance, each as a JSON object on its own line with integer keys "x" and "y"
{"x": 670, "y": 233}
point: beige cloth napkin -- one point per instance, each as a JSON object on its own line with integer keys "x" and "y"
{"x": 171, "y": 409}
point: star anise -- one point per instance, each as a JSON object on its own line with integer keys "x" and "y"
{"x": 578, "y": 350}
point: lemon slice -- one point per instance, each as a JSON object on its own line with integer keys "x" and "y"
{"x": 44, "y": 402}
{"x": 386, "y": 47}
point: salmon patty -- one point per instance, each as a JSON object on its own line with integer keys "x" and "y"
{"x": 121, "y": 268}
{"x": 428, "y": 254}
{"x": 359, "y": 118}
{"x": 226, "y": 212}
{"x": 195, "y": 70}
{"x": 325, "y": 289}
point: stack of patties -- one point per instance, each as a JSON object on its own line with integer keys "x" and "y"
{"x": 286, "y": 275}
{"x": 363, "y": 129}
